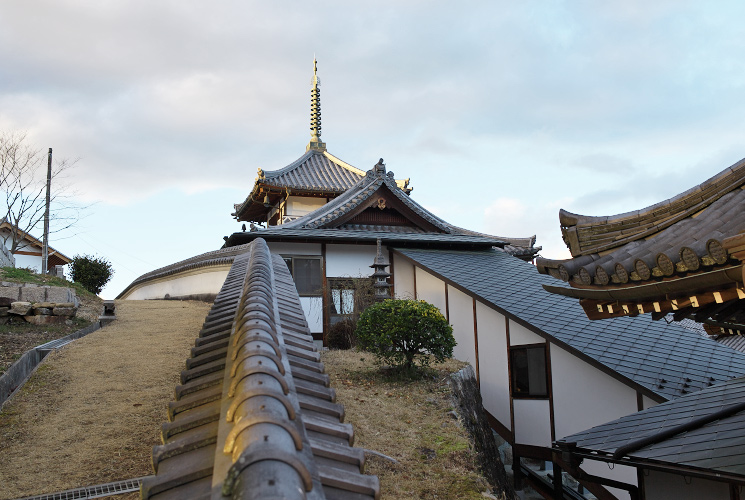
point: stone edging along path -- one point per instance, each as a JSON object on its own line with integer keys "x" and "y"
{"x": 17, "y": 375}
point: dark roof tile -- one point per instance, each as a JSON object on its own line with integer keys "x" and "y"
{"x": 640, "y": 349}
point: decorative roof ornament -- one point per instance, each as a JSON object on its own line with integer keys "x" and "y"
{"x": 315, "y": 112}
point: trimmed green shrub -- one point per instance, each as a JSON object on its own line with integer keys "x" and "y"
{"x": 400, "y": 332}
{"x": 91, "y": 272}
{"x": 341, "y": 335}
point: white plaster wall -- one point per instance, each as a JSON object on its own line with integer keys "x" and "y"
{"x": 403, "y": 278}
{"x": 431, "y": 289}
{"x": 301, "y": 205}
{"x": 32, "y": 261}
{"x": 461, "y": 319}
{"x": 313, "y": 309}
{"x": 585, "y": 396}
{"x": 350, "y": 260}
{"x": 663, "y": 486}
{"x": 648, "y": 403}
{"x": 532, "y": 422}
{"x": 494, "y": 376}
{"x": 519, "y": 335}
{"x": 209, "y": 281}
{"x": 284, "y": 248}
{"x": 621, "y": 473}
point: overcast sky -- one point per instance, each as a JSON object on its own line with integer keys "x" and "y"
{"x": 500, "y": 112}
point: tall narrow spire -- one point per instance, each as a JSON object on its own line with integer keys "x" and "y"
{"x": 315, "y": 112}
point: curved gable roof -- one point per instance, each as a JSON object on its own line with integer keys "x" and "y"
{"x": 315, "y": 173}
{"x": 585, "y": 235}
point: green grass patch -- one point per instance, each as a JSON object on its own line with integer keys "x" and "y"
{"x": 26, "y": 275}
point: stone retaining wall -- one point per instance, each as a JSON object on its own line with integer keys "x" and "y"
{"x": 467, "y": 397}
{"x": 28, "y": 292}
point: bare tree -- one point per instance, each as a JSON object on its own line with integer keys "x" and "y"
{"x": 23, "y": 182}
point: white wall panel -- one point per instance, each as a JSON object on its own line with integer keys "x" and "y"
{"x": 663, "y": 486}
{"x": 32, "y": 261}
{"x": 313, "y": 309}
{"x": 403, "y": 278}
{"x": 494, "y": 375}
{"x": 519, "y": 335}
{"x": 350, "y": 260}
{"x": 191, "y": 283}
{"x": 301, "y": 205}
{"x": 461, "y": 319}
{"x": 431, "y": 289}
{"x": 532, "y": 422}
{"x": 585, "y": 396}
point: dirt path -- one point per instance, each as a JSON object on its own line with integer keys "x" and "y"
{"x": 92, "y": 412}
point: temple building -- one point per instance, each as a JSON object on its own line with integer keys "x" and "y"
{"x": 325, "y": 218}
{"x": 545, "y": 369}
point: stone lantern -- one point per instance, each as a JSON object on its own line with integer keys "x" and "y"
{"x": 380, "y": 276}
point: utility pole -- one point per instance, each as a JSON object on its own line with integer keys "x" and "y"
{"x": 45, "y": 242}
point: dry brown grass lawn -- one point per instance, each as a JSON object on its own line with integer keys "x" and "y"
{"x": 92, "y": 411}
{"x": 411, "y": 422}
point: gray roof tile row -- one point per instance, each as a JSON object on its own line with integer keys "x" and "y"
{"x": 713, "y": 442}
{"x": 254, "y": 416}
{"x": 666, "y": 359}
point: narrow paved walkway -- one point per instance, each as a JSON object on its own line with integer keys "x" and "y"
{"x": 92, "y": 411}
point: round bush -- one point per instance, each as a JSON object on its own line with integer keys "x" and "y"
{"x": 400, "y": 332}
{"x": 91, "y": 272}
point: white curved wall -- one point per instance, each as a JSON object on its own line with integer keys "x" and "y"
{"x": 195, "y": 282}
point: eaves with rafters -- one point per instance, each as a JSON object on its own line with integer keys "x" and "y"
{"x": 683, "y": 256}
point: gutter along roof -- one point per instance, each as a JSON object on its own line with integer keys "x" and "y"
{"x": 683, "y": 255}
{"x": 254, "y": 416}
{"x": 703, "y": 431}
{"x": 663, "y": 361}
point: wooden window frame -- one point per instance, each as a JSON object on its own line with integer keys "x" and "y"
{"x": 291, "y": 266}
{"x": 513, "y": 372}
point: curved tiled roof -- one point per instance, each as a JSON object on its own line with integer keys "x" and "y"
{"x": 221, "y": 257}
{"x": 316, "y": 171}
{"x": 684, "y": 253}
{"x": 254, "y": 416}
{"x": 329, "y": 222}
{"x": 359, "y": 193}
{"x": 585, "y": 235}
{"x": 690, "y": 245}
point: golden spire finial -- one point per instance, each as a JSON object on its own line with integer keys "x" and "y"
{"x": 315, "y": 111}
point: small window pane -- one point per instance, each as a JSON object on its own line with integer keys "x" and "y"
{"x": 528, "y": 365}
{"x": 307, "y": 275}
{"x": 537, "y": 371}
{"x": 520, "y": 377}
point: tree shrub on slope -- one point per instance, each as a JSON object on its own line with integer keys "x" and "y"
{"x": 400, "y": 332}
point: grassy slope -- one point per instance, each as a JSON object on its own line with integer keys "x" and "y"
{"x": 17, "y": 338}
